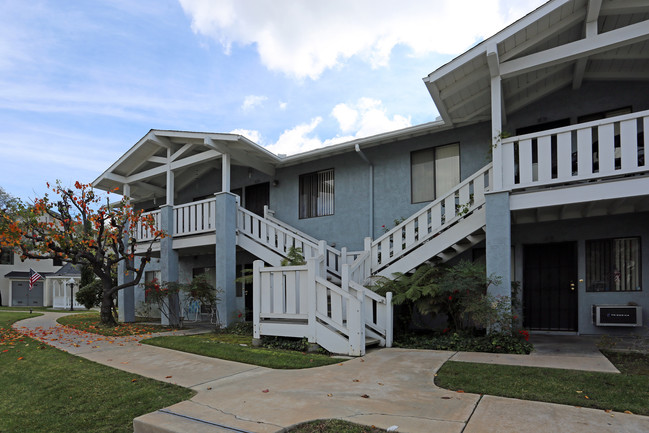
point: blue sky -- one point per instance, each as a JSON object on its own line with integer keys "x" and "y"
{"x": 81, "y": 81}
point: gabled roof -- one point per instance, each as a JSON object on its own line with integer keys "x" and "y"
{"x": 561, "y": 44}
{"x": 68, "y": 270}
{"x": 144, "y": 166}
{"x": 24, "y": 275}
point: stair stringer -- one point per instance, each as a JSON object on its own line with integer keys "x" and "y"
{"x": 258, "y": 249}
{"x": 465, "y": 228}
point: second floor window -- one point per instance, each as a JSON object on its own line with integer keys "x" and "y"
{"x": 317, "y": 194}
{"x": 6, "y": 256}
{"x": 434, "y": 172}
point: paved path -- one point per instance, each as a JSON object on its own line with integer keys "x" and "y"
{"x": 385, "y": 388}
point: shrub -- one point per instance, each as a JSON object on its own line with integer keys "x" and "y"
{"x": 90, "y": 295}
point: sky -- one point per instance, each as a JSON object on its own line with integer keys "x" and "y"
{"x": 82, "y": 81}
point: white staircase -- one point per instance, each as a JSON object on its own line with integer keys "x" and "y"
{"x": 325, "y": 300}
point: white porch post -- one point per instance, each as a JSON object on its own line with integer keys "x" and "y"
{"x": 126, "y": 296}
{"x": 496, "y": 117}
{"x": 168, "y": 256}
{"x": 225, "y": 173}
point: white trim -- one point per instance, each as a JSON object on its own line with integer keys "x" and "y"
{"x": 576, "y": 50}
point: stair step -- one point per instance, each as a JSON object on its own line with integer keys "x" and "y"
{"x": 369, "y": 341}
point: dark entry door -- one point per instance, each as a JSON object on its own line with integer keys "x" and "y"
{"x": 550, "y": 287}
{"x": 257, "y": 197}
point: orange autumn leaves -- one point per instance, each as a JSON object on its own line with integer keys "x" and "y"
{"x": 74, "y": 224}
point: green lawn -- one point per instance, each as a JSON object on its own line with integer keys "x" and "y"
{"x": 38, "y": 309}
{"x": 43, "y": 389}
{"x": 239, "y": 348}
{"x": 89, "y": 322}
{"x": 628, "y": 391}
{"x": 334, "y": 426}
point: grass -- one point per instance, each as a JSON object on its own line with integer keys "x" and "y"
{"x": 43, "y": 389}
{"x": 628, "y": 391}
{"x": 89, "y": 322}
{"x": 236, "y": 347}
{"x": 334, "y": 426}
{"x": 33, "y": 309}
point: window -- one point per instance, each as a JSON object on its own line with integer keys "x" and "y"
{"x": 6, "y": 256}
{"x": 317, "y": 194}
{"x": 613, "y": 265}
{"x": 434, "y": 172}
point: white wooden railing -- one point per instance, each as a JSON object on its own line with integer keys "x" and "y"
{"x": 433, "y": 219}
{"x": 143, "y": 232}
{"x": 298, "y": 301}
{"x": 603, "y": 148}
{"x": 280, "y": 237}
{"x": 335, "y": 258}
{"x": 195, "y": 217}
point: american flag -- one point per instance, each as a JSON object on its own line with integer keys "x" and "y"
{"x": 33, "y": 277}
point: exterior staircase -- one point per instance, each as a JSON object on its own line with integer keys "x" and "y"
{"x": 326, "y": 300}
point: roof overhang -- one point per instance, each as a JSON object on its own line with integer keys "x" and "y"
{"x": 559, "y": 45}
{"x": 144, "y": 166}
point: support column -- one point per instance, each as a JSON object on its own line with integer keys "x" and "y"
{"x": 225, "y": 173}
{"x": 499, "y": 242}
{"x": 226, "y": 254}
{"x": 126, "y": 296}
{"x": 169, "y": 264}
{"x": 496, "y": 131}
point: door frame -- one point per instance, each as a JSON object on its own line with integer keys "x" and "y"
{"x": 539, "y": 304}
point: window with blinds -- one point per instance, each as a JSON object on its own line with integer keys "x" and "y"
{"x": 434, "y": 172}
{"x": 613, "y": 265}
{"x": 6, "y": 256}
{"x": 317, "y": 194}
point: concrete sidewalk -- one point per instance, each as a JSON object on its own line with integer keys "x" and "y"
{"x": 385, "y": 388}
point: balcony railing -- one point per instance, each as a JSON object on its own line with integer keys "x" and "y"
{"x": 604, "y": 148}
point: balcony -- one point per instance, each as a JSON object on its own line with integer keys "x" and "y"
{"x": 598, "y": 150}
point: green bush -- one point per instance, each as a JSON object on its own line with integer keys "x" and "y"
{"x": 465, "y": 342}
{"x": 90, "y": 295}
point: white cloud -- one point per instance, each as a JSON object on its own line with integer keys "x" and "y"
{"x": 252, "y": 101}
{"x": 303, "y": 39}
{"x": 367, "y": 117}
{"x": 298, "y": 139}
{"x": 364, "y": 118}
{"x": 250, "y": 134}
{"x": 282, "y": 105}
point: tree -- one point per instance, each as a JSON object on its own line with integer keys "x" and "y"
{"x": 75, "y": 228}
{"x": 7, "y": 201}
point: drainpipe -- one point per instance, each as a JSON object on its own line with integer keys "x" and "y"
{"x": 362, "y": 155}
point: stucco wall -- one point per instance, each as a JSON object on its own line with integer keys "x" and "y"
{"x": 392, "y": 199}
{"x": 592, "y": 97}
{"x": 580, "y": 230}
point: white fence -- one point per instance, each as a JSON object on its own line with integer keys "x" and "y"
{"x": 603, "y": 148}
{"x": 298, "y": 301}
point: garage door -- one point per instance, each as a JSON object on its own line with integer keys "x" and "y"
{"x": 20, "y": 291}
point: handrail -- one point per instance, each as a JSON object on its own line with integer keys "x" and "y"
{"x": 576, "y": 126}
{"x": 600, "y": 149}
{"x": 432, "y": 219}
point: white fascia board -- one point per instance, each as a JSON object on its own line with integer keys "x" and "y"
{"x": 588, "y": 192}
{"x": 496, "y": 39}
{"x": 123, "y": 158}
{"x": 576, "y": 50}
{"x": 242, "y": 156}
{"x": 349, "y": 146}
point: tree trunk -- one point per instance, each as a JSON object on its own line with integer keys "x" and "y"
{"x": 106, "y": 312}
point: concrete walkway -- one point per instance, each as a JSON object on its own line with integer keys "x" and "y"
{"x": 387, "y": 387}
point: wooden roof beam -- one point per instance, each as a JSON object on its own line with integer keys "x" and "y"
{"x": 590, "y": 30}
{"x": 576, "y": 50}
{"x": 241, "y": 156}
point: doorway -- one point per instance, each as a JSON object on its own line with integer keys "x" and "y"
{"x": 550, "y": 287}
